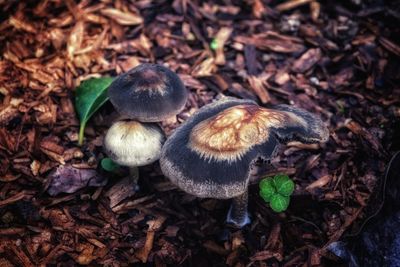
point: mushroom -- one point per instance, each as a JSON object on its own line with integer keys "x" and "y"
{"x": 134, "y": 144}
{"x": 145, "y": 94}
{"x": 148, "y": 93}
{"x": 211, "y": 154}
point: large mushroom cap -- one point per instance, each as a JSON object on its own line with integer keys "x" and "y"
{"x": 148, "y": 93}
{"x": 210, "y": 155}
{"x": 132, "y": 144}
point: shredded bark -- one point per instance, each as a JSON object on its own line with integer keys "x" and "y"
{"x": 339, "y": 60}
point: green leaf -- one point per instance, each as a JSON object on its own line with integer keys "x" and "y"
{"x": 109, "y": 165}
{"x": 279, "y": 203}
{"x": 267, "y": 189}
{"x": 283, "y": 184}
{"x": 89, "y": 97}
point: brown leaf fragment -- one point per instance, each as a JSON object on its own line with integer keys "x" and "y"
{"x": 315, "y": 9}
{"x": 129, "y": 63}
{"x": 281, "y": 77}
{"x": 258, "y": 9}
{"x": 9, "y": 177}
{"x": 205, "y": 68}
{"x": 320, "y": 182}
{"x": 22, "y": 25}
{"x": 75, "y": 39}
{"x": 7, "y": 114}
{"x": 307, "y": 60}
{"x": 121, "y": 190}
{"x": 371, "y": 139}
{"x": 123, "y": 18}
{"x": 11, "y": 231}
{"x": 67, "y": 179}
{"x": 58, "y": 218}
{"x": 291, "y": 4}
{"x": 20, "y": 255}
{"x": 107, "y": 215}
{"x": 51, "y": 146}
{"x": 389, "y": 45}
{"x": 154, "y": 225}
{"x": 57, "y": 37}
{"x": 258, "y": 87}
{"x": 72, "y": 153}
{"x": 95, "y": 44}
{"x": 54, "y": 156}
{"x": 96, "y": 242}
{"x": 86, "y": 253}
{"x": 42, "y": 76}
{"x": 221, "y": 38}
{"x": 265, "y": 255}
{"x": 17, "y": 197}
{"x": 47, "y": 115}
{"x": 273, "y": 42}
{"x": 35, "y": 167}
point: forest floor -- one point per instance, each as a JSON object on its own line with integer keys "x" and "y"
{"x": 338, "y": 60}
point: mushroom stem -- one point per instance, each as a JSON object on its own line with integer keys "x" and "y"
{"x": 134, "y": 175}
{"x": 237, "y": 214}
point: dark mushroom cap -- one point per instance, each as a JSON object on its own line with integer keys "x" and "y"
{"x": 210, "y": 155}
{"x": 148, "y": 93}
{"x": 131, "y": 143}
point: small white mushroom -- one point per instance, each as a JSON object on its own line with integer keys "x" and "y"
{"x": 133, "y": 144}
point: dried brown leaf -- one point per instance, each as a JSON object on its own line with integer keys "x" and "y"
{"x": 291, "y": 4}
{"x": 221, "y": 38}
{"x": 205, "y": 68}
{"x": 320, "y": 182}
{"x": 123, "y": 18}
{"x": 22, "y": 25}
{"x": 258, "y": 87}
{"x": 75, "y": 39}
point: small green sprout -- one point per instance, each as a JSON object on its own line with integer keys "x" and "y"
{"x": 214, "y": 44}
{"x": 276, "y": 191}
{"x": 109, "y": 165}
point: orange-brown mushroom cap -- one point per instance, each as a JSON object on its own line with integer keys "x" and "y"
{"x": 148, "y": 93}
{"x": 210, "y": 155}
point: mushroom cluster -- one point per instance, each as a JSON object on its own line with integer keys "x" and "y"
{"x": 210, "y": 155}
{"x": 144, "y": 95}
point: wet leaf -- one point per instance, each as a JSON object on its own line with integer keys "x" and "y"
{"x": 90, "y": 96}
{"x": 279, "y": 203}
{"x": 67, "y": 179}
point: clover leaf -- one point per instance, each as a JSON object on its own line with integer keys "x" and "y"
{"x": 279, "y": 203}
{"x": 267, "y": 189}
{"x": 276, "y": 191}
{"x": 283, "y": 185}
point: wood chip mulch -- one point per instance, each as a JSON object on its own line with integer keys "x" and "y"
{"x": 338, "y": 59}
